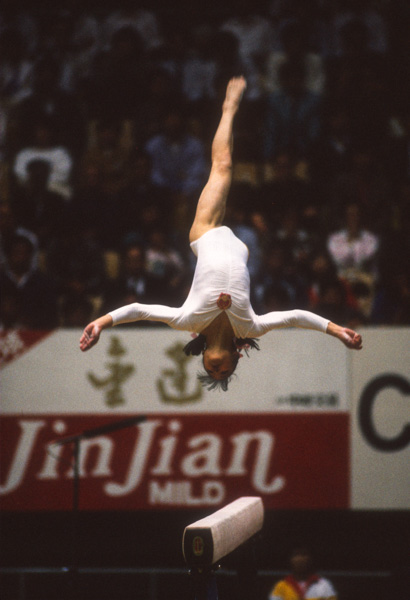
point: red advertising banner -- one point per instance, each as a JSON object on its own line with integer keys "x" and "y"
{"x": 170, "y": 461}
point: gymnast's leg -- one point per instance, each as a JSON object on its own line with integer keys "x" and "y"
{"x": 211, "y": 204}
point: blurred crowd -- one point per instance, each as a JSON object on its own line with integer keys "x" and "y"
{"x": 107, "y": 113}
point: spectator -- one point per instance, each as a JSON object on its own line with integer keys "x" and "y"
{"x": 358, "y": 79}
{"x": 296, "y": 241}
{"x": 370, "y": 20}
{"x": 178, "y": 164}
{"x": 86, "y": 42}
{"x": 354, "y": 251}
{"x": 330, "y": 156}
{"x": 280, "y": 286}
{"x": 392, "y": 298}
{"x": 109, "y": 151}
{"x": 48, "y": 101}
{"x": 140, "y": 19}
{"x": 398, "y": 155}
{"x": 292, "y": 118}
{"x": 161, "y": 93}
{"x": 333, "y": 302}
{"x": 36, "y": 207}
{"x": 166, "y": 265}
{"x": 285, "y": 188}
{"x": 200, "y": 69}
{"x": 75, "y": 311}
{"x": 321, "y": 271}
{"x": 364, "y": 182}
{"x": 295, "y": 49}
{"x": 255, "y": 34}
{"x": 239, "y": 218}
{"x": 178, "y": 158}
{"x": 391, "y": 305}
{"x": 303, "y": 581}
{"x": 172, "y": 54}
{"x": 15, "y": 66}
{"x": 45, "y": 147}
{"x": 143, "y": 204}
{"x": 134, "y": 283}
{"x": 29, "y": 296}
{"x": 75, "y": 260}
{"x": 9, "y": 228}
{"x": 119, "y": 77}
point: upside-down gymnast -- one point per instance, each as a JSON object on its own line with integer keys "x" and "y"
{"x": 218, "y": 305}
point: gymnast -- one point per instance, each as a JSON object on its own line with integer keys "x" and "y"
{"x": 218, "y": 305}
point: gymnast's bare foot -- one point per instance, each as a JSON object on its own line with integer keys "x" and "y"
{"x": 234, "y": 93}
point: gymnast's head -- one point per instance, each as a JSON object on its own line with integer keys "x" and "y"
{"x": 219, "y": 364}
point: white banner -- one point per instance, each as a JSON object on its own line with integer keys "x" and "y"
{"x": 135, "y": 370}
{"x": 381, "y": 421}
{"x": 303, "y": 395}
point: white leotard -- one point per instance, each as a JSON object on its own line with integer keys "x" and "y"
{"x": 220, "y": 269}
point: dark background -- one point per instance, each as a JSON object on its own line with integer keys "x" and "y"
{"x": 364, "y": 553}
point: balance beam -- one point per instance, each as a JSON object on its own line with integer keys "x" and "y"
{"x": 208, "y": 540}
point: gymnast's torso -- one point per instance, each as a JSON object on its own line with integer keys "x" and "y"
{"x": 220, "y": 283}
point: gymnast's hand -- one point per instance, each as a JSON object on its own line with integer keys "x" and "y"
{"x": 350, "y": 338}
{"x": 92, "y": 332}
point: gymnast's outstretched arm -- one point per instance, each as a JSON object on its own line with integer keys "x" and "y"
{"x": 126, "y": 314}
{"x": 307, "y": 320}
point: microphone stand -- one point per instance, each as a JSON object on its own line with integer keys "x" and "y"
{"x": 76, "y": 441}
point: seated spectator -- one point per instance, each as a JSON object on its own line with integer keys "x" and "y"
{"x": 75, "y": 311}
{"x": 279, "y": 284}
{"x": 200, "y": 69}
{"x": 9, "y": 228}
{"x": 296, "y": 241}
{"x": 391, "y": 304}
{"x": 254, "y": 33}
{"x": 134, "y": 283}
{"x": 44, "y": 147}
{"x": 118, "y": 79}
{"x": 292, "y": 114}
{"x": 321, "y": 271}
{"x": 371, "y": 21}
{"x": 303, "y": 581}
{"x": 86, "y": 42}
{"x": 238, "y": 215}
{"x": 48, "y": 101}
{"x": 398, "y": 154}
{"x": 392, "y": 297}
{"x": 364, "y": 182}
{"x": 140, "y": 19}
{"x": 358, "y": 79}
{"x": 166, "y": 265}
{"x": 285, "y": 188}
{"x": 330, "y": 156}
{"x": 161, "y": 92}
{"x": 143, "y": 204}
{"x": 178, "y": 165}
{"x": 109, "y": 151}
{"x": 178, "y": 159}
{"x": 32, "y": 292}
{"x": 294, "y": 47}
{"x": 354, "y": 251}
{"x": 15, "y": 66}
{"x": 333, "y": 303}
{"x": 36, "y": 207}
{"x": 75, "y": 260}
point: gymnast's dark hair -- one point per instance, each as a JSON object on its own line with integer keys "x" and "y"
{"x": 198, "y": 345}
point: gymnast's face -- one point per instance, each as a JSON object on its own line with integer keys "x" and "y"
{"x": 220, "y": 364}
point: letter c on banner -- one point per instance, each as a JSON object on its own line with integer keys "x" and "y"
{"x": 366, "y": 403}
